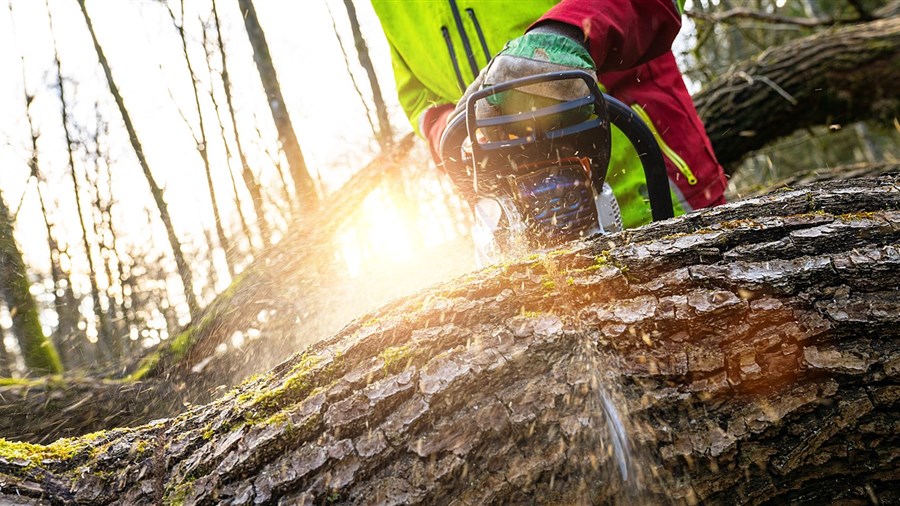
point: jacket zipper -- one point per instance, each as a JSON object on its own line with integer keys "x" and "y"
{"x": 459, "y": 79}
{"x": 484, "y": 46}
{"x": 465, "y": 38}
{"x": 668, "y": 151}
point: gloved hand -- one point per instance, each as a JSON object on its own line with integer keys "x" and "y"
{"x": 548, "y": 47}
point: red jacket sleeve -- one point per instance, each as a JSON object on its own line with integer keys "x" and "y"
{"x": 621, "y": 34}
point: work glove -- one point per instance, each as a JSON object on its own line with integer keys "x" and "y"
{"x": 548, "y": 47}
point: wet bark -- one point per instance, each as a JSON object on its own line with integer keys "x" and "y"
{"x": 834, "y": 77}
{"x": 743, "y": 354}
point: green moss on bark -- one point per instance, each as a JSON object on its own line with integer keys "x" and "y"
{"x": 38, "y": 351}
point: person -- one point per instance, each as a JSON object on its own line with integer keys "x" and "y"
{"x": 442, "y": 50}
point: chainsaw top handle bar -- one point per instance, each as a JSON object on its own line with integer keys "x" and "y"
{"x": 620, "y": 115}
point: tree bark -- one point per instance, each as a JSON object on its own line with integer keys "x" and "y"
{"x": 184, "y": 270}
{"x": 303, "y": 183}
{"x": 834, "y": 77}
{"x": 743, "y": 354}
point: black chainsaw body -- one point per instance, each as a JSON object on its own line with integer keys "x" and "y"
{"x": 550, "y": 161}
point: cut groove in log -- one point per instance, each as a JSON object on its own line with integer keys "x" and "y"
{"x": 750, "y": 351}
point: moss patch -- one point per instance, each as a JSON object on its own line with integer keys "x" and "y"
{"x": 396, "y": 358}
{"x": 34, "y": 454}
{"x": 297, "y": 385}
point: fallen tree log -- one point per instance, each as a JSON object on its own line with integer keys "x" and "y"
{"x": 836, "y": 76}
{"x": 747, "y": 353}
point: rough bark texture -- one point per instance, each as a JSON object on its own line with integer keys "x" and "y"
{"x": 747, "y": 353}
{"x": 837, "y": 76}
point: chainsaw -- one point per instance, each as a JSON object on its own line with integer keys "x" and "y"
{"x": 538, "y": 171}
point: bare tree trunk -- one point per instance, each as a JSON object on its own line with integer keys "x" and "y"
{"x": 743, "y": 354}
{"x": 385, "y": 131}
{"x": 203, "y": 144}
{"x": 65, "y": 305}
{"x": 303, "y": 183}
{"x": 245, "y": 226}
{"x": 184, "y": 270}
{"x": 250, "y": 180}
{"x": 103, "y": 328}
{"x": 38, "y": 352}
{"x": 834, "y": 77}
{"x": 352, "y": 75}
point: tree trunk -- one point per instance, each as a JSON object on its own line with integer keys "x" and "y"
{"x": 184, "y": 270}
{"x": 111, "y": 345}
{"x": 65, "y": 305}
{"x": 203, "y": 144}
{"x": 385, "y": 131}
{"x": 834, "y": 77}
{"x": 743, "y": 354}
{"x": 303, "y": 183}
{"x": 38, "y": 352}
{"x": 249, "y": 179}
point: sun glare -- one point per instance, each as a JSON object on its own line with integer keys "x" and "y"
{"x": 379, "y": 234}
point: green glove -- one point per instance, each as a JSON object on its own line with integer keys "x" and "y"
{"x": 539, "y": 53}
{"x": 544, "y": 49}
{"x": 549, "y": 47}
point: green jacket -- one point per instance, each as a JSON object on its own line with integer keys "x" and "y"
{"x": 423, "y": 68}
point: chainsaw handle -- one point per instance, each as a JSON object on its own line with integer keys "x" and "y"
{"x": 473, "y": 123}
{"x": 651, "y": 156}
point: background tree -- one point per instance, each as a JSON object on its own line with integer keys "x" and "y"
{"x": 38, "y": 352}
{"x": 184, "y": 270}
{"x": 303, "y": 183}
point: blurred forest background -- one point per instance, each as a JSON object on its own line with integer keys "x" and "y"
{"x": 154, "y": 153}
